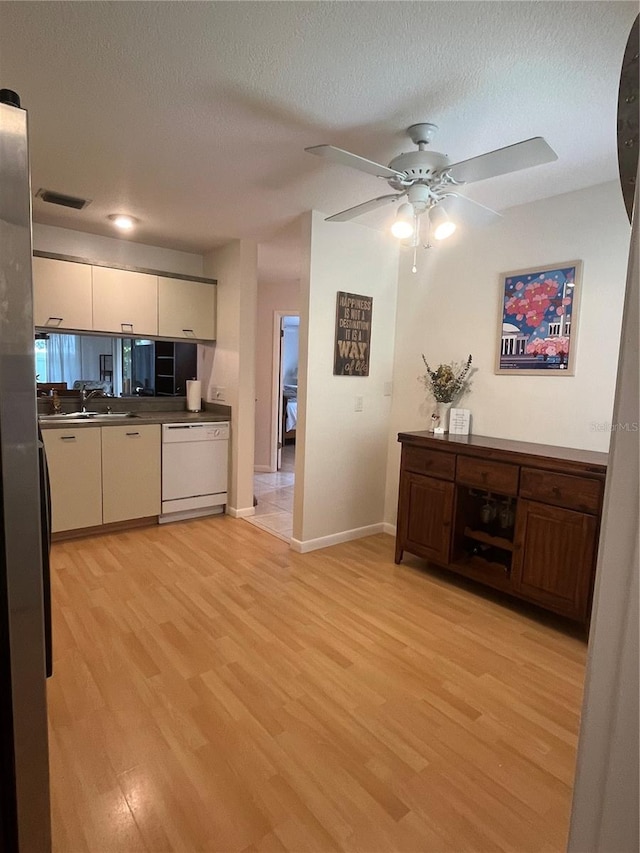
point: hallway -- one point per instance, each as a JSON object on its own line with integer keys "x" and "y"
{"x": 274, "y": 493}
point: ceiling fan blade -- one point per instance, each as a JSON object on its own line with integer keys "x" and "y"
{"x": 345, "y": 158}
{"x": 365, "y": 207}
{"x": 521, "y": 155}
{"x": 469, "y": 212}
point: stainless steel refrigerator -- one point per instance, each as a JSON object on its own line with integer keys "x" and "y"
{"x": 24, "y": 604}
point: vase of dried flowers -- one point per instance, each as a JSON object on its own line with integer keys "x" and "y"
{"x": 440, "y": 418}
{"x": 446, "y": 383}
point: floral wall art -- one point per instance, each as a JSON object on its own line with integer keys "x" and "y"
{"x": 538, "y": 320}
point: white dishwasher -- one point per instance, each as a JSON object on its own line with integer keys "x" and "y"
{"x": 195, "y": 460}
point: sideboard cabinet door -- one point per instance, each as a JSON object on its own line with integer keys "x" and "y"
{"x": 424, "y": 519}
{"x": 553, "y": 557}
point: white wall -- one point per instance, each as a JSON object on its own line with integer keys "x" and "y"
{"x": 341, "y": 453}
{"x": 450, "y": 308}
{"x": 233, "y": 360}
{"x": 111, "y": 250}
{"x": 284, "y": 296}
{"x": 605, "y": 800}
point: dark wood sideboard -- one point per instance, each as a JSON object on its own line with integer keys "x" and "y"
{"x": 522, "y": 518}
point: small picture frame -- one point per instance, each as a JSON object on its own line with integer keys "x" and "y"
{"x": 539, "y": 320}
{"x": 459, "y": 421}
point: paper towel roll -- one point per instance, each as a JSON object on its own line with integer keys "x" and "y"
{"x": 194, "y": 395}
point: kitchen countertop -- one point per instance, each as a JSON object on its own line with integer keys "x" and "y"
{"x": 139, "y": 418}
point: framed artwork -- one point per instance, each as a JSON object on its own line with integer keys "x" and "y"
{"x": 538, "y": 320}
{"x": 352, "y": 347}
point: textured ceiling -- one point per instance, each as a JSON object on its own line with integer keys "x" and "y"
{"x": 193, "y": 116}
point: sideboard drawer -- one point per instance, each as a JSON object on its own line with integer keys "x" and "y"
{"x": 422, "y": 461}
{"x": 492, "y": 476}
{"x": 581, "y": 493}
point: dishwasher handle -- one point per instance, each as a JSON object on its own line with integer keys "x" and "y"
{"x": 203, "y": 431}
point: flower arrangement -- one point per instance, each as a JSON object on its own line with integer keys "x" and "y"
{"x": 447, "y": 381}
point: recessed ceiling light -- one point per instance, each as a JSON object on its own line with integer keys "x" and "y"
{"x": 123, "y": 221}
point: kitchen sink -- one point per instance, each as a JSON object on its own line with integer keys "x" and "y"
{"x": 88, "y": 416}
{"x": 116, "y": 415}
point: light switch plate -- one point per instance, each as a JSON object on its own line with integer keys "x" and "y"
{"x": 359, "y": 405}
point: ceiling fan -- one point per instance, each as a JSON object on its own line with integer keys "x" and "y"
{"x": 428, "y": 182}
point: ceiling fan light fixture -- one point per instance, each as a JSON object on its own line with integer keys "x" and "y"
{"x": 442, "y": 226}
{"x": 403, "y": 226}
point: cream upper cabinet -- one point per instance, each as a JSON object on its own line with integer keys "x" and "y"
{"x": 186, "y": 309}
{"x": 74, "y": 460}
{"x": 125, "y": 302}
{"x": 62, "y": 294}
{"x": 130, "y": 472}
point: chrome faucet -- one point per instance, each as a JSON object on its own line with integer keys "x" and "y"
{"x": 84, "y": 396}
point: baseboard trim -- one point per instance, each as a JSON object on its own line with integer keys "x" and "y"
{"x": 303, "y": 547}
{"x": 263, "y": 469}
{"x": 110, "y": 527}
{"x": 389, "y": 528}
{"x": 243, "y": 512}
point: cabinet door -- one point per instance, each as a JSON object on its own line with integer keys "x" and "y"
{"x": 186, "y": 309}
{"x": 125, "y": 302}
{"x": 130, "y": 472}
{"x": 73, "y": 458}
{"x": 554, "y": 556}
{"x": 424, "y": 516}
{"x": 61, "y": 294}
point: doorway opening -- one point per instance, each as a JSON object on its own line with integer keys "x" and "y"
{"x": 287, "y": 391}
{"x": 274, "y": 490}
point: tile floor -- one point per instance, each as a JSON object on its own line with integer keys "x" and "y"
{"x": 274, "y": 493}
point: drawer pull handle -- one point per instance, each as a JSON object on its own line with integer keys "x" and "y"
{"x": 127, "y": 327}
{"x": 54, "y": 321}
{"x": 484, "y": 476}
{"x": 67, "y": 438}
{"x": 189, "y": 333}
{"x": 556, "y": 491}
{"x": 133, "y": 433}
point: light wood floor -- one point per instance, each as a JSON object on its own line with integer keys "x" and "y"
{"x": 214, "y": 691}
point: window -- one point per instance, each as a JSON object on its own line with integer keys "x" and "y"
{"x": 41, "y": 360}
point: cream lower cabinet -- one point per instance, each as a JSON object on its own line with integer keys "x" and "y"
{"x": 102, "y": 475}
{"x": 74, "y": 460}
{"x": 125, "y": 302}
{"x": 130, "y": 472}
{"x": 186, "y": 309}
{"x": 62, "y": 296}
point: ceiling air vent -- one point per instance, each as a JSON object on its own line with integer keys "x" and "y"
{"x": 63, "y": 200}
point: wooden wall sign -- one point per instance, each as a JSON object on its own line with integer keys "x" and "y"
{"x": 353, "y": 334}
